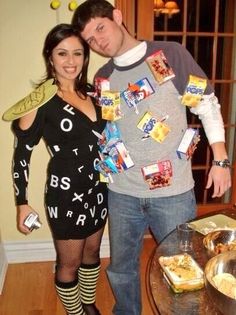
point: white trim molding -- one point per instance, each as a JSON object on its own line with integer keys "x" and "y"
{"x": 32, "y": 251}
{"x": 3, "y": 267}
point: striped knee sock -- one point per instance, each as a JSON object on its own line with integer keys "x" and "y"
{"x": 88, "y": 277}
{"x": 69, "y": 295}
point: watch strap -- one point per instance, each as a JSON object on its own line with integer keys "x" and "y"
{"x": 221, "y": 163}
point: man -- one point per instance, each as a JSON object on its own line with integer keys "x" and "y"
{"x": 133, "y": 204}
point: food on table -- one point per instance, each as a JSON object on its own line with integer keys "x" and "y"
{"x": 221, "y": 248}
{"x": 182, "y": 272}
{"x": 225, "y": 283}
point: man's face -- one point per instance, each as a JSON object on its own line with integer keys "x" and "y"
{"x": 104, "y": 36}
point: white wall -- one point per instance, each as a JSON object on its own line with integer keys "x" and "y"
{"x": 23, "y": 27}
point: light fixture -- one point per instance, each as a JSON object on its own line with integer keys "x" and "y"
{"x": 165, "y": 7}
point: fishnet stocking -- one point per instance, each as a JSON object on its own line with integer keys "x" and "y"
{"x": 92, "y": 248}
{"x": 71, "y": 253}
{"x": 69, "y": 257}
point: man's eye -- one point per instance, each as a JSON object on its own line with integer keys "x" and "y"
{"x": 91, "y": 41}
{"x": 100, "y": 28}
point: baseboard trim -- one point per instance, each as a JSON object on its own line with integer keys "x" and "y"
{"x": 3, "y": 268}
{"x": 32, "y": 251}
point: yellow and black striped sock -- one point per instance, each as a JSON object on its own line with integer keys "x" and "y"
{"x": 88, "y": 277}
{"x": 69, "y": 295}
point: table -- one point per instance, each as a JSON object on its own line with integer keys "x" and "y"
{"x": 163, "y": 300}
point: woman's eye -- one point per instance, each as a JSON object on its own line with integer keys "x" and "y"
{"x": 62, "y": 53}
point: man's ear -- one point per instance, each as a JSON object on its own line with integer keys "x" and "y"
{"x": 117, "y": 16}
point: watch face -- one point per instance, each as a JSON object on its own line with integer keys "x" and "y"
{"x": 34, "y": 100}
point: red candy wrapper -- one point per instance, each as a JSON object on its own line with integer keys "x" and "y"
{"x": 159, "y": 66}
{"x": 158, "y": 175}
{"x": 101, "y": 84}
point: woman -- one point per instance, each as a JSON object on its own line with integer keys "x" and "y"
{"x": 75, "y": 200}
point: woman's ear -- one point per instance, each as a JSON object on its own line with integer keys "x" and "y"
{"x": 117, "y": 16}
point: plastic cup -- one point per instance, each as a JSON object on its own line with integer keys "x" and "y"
{"x": 185, "y": 237}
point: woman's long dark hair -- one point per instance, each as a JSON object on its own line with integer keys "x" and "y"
{"x": 54, "y": 37}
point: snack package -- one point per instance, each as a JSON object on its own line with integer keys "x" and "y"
{"x": 120, "y": 156}
{"x": 155, "y": 128}
{"x": 113, "y": 153}
{"x": 159, "y": 66}
{"x": 136, "y": 92}
{"x": 110, "y": 134}
{"x": 158, "y": 175}
{"x": 106, "y": 166}
{"x": 188, "y": 144}
{"x": 110, "y": 102}
{"x": 101, "y": 84}
{"x": 194, "y": 91}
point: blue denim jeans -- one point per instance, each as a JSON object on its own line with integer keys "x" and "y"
{"x": 129, "y": 218}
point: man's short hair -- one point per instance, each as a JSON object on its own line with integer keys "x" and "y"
{"x": 91, "y": 9}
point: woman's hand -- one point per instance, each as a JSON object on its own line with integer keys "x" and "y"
{"x": 22, "y": 212}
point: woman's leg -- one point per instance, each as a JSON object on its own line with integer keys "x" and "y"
{"x": 69, "y": 257}
{"x": 89, "y": 272}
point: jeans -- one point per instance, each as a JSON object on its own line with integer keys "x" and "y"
{"x": 129, "y": 218}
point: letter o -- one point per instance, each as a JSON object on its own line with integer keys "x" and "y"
{"x": 64, "y": 124}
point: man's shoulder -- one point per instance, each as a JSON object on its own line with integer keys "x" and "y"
{"x": 164, "y": 45}
{"x": 106, "y": 69}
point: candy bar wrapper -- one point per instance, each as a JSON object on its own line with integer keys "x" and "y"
{"x": 110, "y": 102}
{"x": 101, "y": 84}
{"x": 137, "y": 92}
{"x": 158, "y": 175}
{"x": 159, "y": 66}
{"x": 188, "y": 144}
{"x": 155, "y": 128}
{"x": 194, "y": 91}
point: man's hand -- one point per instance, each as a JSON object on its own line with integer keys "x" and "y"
{"x": 220, "y": 178}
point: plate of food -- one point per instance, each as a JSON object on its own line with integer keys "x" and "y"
{"x": 182, "y": 272}
{"x": 213, "y": 223}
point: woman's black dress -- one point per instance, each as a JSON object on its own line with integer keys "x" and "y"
{"x": 75, "y": 200}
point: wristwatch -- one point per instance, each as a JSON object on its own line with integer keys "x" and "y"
{"x": 222, "y": 163}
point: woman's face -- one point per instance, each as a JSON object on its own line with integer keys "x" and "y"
{"x": 67, "y": 59}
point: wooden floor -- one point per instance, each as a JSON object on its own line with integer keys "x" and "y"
{"x": 29, "y": 288}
